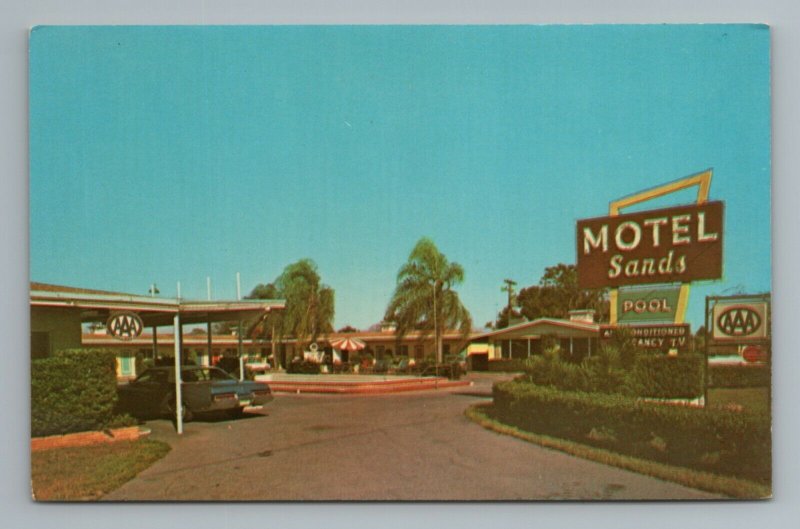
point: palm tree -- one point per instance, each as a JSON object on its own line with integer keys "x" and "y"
{"x": 309, "y": 307}
{"x": 424, "y": 298}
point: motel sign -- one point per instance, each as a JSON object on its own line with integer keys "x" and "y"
{"x": 678, "y": 244}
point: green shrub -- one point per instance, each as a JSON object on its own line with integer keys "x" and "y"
{"x": 722, "y": 376}
{"x": 656, "y": 376}
{"x": 549, "y": 371}
{"x": 303, "y": 367}
{"x": 600, "y": 373}
{"x": 74, "y": 390}
{"x": 668, "y": 377}
{"x": 715, "y": 440}
{"x": 122, "y": 420}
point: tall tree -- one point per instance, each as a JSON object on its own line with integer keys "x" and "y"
{"x": 272, "y": 324}
{"x": 557, "y": 293}
{"x": 424, "y": 298}
{"x": 309, "y": 307}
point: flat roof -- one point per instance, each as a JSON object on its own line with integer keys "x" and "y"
{"x": 97, "y": 305}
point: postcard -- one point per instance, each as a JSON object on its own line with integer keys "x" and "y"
{"x": 400, "y": 263}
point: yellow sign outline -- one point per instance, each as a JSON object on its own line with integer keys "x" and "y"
{"x": 703, "y": 182}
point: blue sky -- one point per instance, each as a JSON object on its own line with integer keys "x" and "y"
{"x": 175, "y": 153}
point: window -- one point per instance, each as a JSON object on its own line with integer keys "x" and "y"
{"x": 403, "y": 350}
{"x": 154, "y": 376}
{"x": 189, "y": 375}
{"x": 40, "y": 344}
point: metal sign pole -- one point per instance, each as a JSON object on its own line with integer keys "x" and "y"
{"x": 706, "y": 338}
{"x": 178, "y": 396}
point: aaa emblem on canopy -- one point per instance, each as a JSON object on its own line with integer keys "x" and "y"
{"x": 124, "y": 325}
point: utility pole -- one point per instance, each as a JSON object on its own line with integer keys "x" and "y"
{"x": 510, "y": 284}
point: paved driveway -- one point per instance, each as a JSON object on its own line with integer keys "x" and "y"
{"x": 412, "y": 446}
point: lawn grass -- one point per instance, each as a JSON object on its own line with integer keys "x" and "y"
{"x": 88, "y": 472}
{"x": 725, "y": 485}
{"x": 755, "y": 399}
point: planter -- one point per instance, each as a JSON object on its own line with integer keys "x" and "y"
{"x": 129, "y": 433}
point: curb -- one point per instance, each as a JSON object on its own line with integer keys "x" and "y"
{"x": 363, "y": 388}
{"x": 129, "y": 433}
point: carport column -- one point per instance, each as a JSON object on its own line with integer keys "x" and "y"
{"x": 239, "y": 332}
{"x": 176, "y": 323}
{"x": 208, "y": 345}
{"x": 529, "y": 347}
{"x": 155, "y": 344}
{"x": 208, "y": 325}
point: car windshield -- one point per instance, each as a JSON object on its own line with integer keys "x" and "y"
{"x": 153, "y": 376}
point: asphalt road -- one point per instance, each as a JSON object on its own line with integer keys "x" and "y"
{"x": 410, "y": 446}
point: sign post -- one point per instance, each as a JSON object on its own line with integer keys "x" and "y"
{"x": 674, "y": 245}
{"x": 742, "y": 321}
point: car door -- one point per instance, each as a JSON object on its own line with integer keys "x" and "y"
{"x": 146, "y": 394}
{"x": 196, "y": 389}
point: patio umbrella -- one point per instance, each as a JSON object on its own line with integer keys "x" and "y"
{"x": 347, "y": 344}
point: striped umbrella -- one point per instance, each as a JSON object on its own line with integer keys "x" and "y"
{"x": 347, "y": 344}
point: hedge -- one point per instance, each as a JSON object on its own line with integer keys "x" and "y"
{"x": 668, "y": 377}
{"x": 722, "y": 376}
{"x": 74, "y": 390}
{"x": 655, "y": 376}
{"x": 303, "y": 367}
{"x": 715, "y": 440}
{"x": 507, "y": 365}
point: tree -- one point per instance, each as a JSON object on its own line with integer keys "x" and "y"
{"x": 347, "y": 328}
{"x": 222, "y": 327}
{"x": 503, "y": 319}
{"x": 272, "y": 324}
{"x": 557, "y": 293}
{"x": 699, "y": 342}
{"x": 424, "y": 298}
{"x": 309, "y": 304}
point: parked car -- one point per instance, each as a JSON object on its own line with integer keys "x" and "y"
{"x": 203, "y": 390}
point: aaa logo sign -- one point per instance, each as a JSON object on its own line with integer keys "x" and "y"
{"x": 740, "y": 321}
{"x": 124, "y": 325}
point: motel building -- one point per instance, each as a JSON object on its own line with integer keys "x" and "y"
{"x": 60, "y": 314}
{"x": 257, "y": 353}
{"x": 576, "y": 339}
